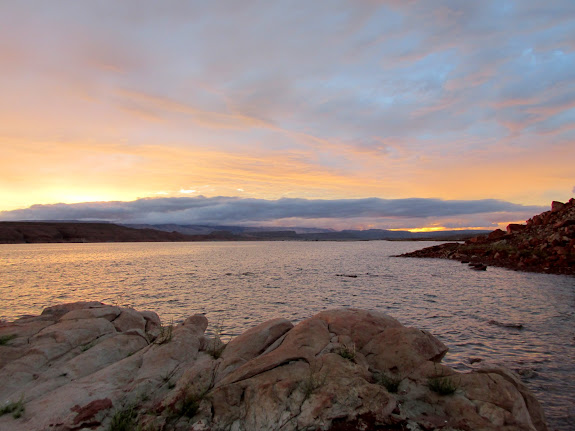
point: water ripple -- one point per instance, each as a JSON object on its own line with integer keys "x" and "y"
{"x": 238, "y": 285}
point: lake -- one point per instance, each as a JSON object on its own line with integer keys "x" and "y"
{"x": 240, "y": 284}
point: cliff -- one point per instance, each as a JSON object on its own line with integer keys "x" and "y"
{"x": 94, "y": 366}
{"x": 545, "y": 243}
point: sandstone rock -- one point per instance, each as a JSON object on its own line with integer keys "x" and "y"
{"x": 253, "y": 404}
{"x": 321, "y": 374}
{"x": 89, "y": 411}
{"x": 109, "y": 313}
{"x": 61, "y": 309}
{"x": 129, "y": 319}
{"x": 496, "y": 234}
{"x": 99, "y": 356}
{"x": 303, "y": 342}
{"x": 410, "y": 348}
{"x": 544, "y": 244}
{"x": 159, "y": 360}
{"x": 359, "y": 325}
{"x": 69, "y": 334}
{"x": 328, "y": 401}
{"x": 557, "y": 206}
{"x": 197, "y": 323}
{"x": 251, "y": 343}
{"x": 17, "y": 334}
{"x": 537, "y": 220}
{"x": 513, "y": 227}
{"x": 57, "y": 343}
{"x": 564, "y": 223}
{"x": 153, "y": 324}
{"x": 536, "y": 414}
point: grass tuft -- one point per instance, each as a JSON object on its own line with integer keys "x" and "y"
{"x": 15, "y": 407}
{"x": 217, "y": 346}
{"x": 5, "y": 339}
{"x": 391, "y": 383}
{"x": 190, "y": 403}
{"x": 166, "y": 377}
{"x": 87, "y": 346}
{"x": 347, "y": 352}
{"x": 442, "y": 385}
{"x": 166, "y": 334}
{"x": 312, "y": 382}
{"x": 125, "y": 420}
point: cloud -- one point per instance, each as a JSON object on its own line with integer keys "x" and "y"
{"x": 248, "y": 211}
{"x": 158, "y": 107}
{"x": 352, "y": 70}
{"x": 373, "y": 91}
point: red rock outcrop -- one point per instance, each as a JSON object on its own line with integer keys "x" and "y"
{"x": 546, "y": 243}
{"x": 94, "y": 366}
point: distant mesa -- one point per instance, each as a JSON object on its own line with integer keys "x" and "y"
{"x": 545, "y": 243}
{"x": 74, "y": 232}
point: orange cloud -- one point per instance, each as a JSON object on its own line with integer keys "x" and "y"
{"x": 66, "y": 171}
{"x": 139, "y": 102}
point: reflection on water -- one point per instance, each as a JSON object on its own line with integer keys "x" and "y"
{"x": 241, "y": 284}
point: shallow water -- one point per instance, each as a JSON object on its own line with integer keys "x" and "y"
{"x": 238, "y": 285}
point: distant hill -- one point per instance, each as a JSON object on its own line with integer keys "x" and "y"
{"x": 49, "y": 232}
{"x": 312, "y": 234}
{"x": 208, "y": 229}
{"x": 74, "y": 231}
{"x": 546, "y": 243}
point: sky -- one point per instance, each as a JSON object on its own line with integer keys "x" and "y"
{"x": 345, "y": 114}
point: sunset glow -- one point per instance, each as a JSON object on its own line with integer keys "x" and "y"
{"x": 456, "y": 101}
{"x": 428, "y": 229}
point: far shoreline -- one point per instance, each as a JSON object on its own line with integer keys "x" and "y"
{"x": 79, "y": 232}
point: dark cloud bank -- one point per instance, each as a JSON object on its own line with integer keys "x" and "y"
{"x": 240, "y": 211}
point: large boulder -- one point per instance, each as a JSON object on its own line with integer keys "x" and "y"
{"x": 496, "y": 234}
{"x": 514, "y": 227}
{"x": 251, "y": 344}
{"x": 88, "y": 366}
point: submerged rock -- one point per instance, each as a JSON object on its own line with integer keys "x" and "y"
{"x": 93, "y": 366}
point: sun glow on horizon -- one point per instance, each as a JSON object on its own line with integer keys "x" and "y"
{"x": 439, "y": 229}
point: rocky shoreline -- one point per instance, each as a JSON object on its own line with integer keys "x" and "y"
{"x": 88, "y": 365}
{"x": 546, "y": 243}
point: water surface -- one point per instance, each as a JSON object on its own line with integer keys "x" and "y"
{"x": 238, "y": 285}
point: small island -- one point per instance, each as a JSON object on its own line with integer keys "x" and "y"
{"x": 546, "y": 243}
{"x": 89, "y": 365}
